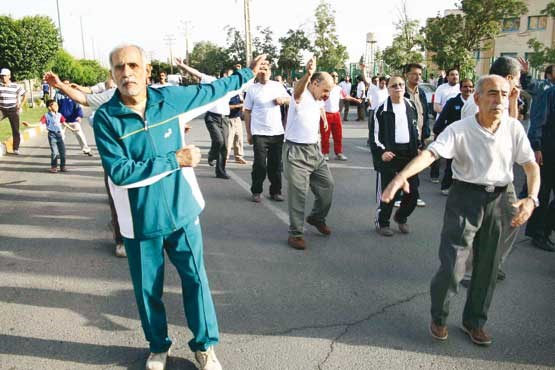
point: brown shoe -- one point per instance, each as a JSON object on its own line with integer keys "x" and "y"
{"x": 296, "y": 243}
{"x": 438, "y": 332}
{"x": 320, "y": 225}
{"x": 384, "y": 231}
{"x": 403, "y": 227}
{"x": 240, "y": 160}
{"x": 256, "y": 198}
{"x": 53, "y": 169}
{"x": 63, "y": 169}
{"x": 477, "y": 335}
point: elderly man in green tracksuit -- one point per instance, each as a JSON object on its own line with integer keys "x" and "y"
{"x": 139, "y": 134}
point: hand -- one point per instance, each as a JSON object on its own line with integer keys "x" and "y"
{"x": 388, "y": 156}
{"x": 326, "y": 126}
{"x": 398, "y": 182}
{"x": 279, "y": 101}
{"x": 52, "y": 79}
{"x": 539, "y": 157}
{"x": 515, "y": 93}
{"x": 524, "y": 65}
{"x": 362, "y": 66}
{"x": 257, "y": 63}
{"x": 188, "y": 156}
{"x": 525, "y": 208}
{"x": 249, "y": 139}
{"x": 311, "y": 66}
{"x": 178, "y": 61}
{"x": 25, "y": 123}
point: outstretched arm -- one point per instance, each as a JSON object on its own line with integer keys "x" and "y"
{"x": 300, "y": 87}
{"x": 54, "y": 81}
{"x": 188, "y": 69}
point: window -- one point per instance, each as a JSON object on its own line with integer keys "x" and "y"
{"x": 527, "y": 56}
{"x": 476, "y": 54}
{"x": 537, "y": 22}
{"x": 512, "y": 55}
{"x": 510, "y": 24}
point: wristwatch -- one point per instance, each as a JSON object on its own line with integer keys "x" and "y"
{"x": 535, "y": 200}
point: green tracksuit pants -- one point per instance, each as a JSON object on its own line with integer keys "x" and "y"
{"x": 146, "y": 264}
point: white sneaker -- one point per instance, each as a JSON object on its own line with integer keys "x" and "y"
{"x": 326, "y": 157}
{"x": 120, "y": 250}
{"x": 397, "y": 204}
{"x": 420, "y": 203}
{"x": 445, "y": 191}
{"x": 207, "y": 360}
{"x": 16, "y": 152}
{"x": 157, "y": 361}
{"x": 341, "y": 157}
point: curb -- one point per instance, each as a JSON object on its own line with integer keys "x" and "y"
{"x": 6, "y": 146}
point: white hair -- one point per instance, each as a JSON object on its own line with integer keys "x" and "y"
{"x": 123, "y": 46}
{"x": 482, "y": 81}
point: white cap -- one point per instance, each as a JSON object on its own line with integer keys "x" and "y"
{"x": 5, "y": 72}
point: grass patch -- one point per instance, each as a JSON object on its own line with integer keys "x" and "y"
{"x": 31, "y": 115}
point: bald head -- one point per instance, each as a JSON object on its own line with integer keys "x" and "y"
{"x": 320, "y": 85}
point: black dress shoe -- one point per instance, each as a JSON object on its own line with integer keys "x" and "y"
{"x": 211, "y": 162}
{"x": 224, "y": 176}
{"x": 542, "y": 243}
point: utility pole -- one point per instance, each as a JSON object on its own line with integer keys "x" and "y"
{"x": 248, "y": 40}
{"x": 82, "y": 36}
{"x": 169, "y": 39}
{"x": 59, "y": 23}
{"x": 187, "y": 36}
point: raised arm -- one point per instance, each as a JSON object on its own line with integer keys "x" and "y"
{"x": 188, "y": 69}
{"x": 303, "y": 82}
{"x": 54, "y": 81}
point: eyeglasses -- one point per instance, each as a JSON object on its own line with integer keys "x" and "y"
{"x": 394, "y": 86}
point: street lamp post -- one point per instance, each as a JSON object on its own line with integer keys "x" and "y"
{"x": 248, "y": 40}
{"x": 60, "y": 23}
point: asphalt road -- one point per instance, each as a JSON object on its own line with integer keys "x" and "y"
{"x": 354, "y": 300}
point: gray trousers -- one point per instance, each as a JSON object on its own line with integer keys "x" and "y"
{"x": 473, "y": 221}
{"x": 304, "y": 165}
{"x": 510, "y": 232}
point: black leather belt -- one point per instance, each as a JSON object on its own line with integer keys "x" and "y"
{"x": 486, "y": 188}
{"x": 217, "y": 114}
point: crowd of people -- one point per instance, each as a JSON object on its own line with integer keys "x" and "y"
{"x": 140, "y": 132}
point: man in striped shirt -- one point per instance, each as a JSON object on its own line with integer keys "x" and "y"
{"x": 10, "y": 101}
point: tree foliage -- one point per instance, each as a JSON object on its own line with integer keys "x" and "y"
{"x": 27, "y": 45}
{"x": 455, "y": 37}
{"x": 407, "y": 43}
{"x": 84, "y": 72}
{"x": 236, "y": 46}
{"x": 542, "y": 53}
{"x": 263, "y": 43}
{"x": 292, "y": 46}
{"x": 209, "y": 58}
{"x": 330, "y": 53}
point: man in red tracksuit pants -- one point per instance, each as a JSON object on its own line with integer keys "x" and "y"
{"x": 333, "y": 116}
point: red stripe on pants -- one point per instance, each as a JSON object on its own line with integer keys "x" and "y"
{"x": 336, "y": 130}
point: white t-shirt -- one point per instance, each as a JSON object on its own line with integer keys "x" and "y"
{"x": 303, "y": 120}
{"x": 402, "y": 135}
{"x": 98, "y": 88}
{"x": 377, "y": 96}
{"x": 265, "y": 114}
{"x": 222, "y": 105}
{"x": 445, "y": 92}
{"x": 331, "y": 105}
{"x": 361, "y": 90}
{"x": 346, "y": 87}
{"x": 94, "y": 101}
{"x": 482, "y": 157}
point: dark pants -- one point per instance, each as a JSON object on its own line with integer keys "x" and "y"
{"x": 13, "y": 117}
{"x": 57, "y": 149}
{"x": 473, "y": 220}
{"x": 370, "y": 122}
{"x": 360, "y": 111}
{"x": 387, "y": 172}
{"x": 540, "y": 225}
{"x": 267, "y": 161}
{"x": 447, "y": 180}
{"x": 344, "y": 109}
{"x": 118, "y": 239}
{"x": 434, "y": 169}
{"x": 218, "y": 128}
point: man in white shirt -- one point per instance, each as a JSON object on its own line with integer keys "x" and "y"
{"x": 345, "y": 86}
{"x": 361, "y": 95}
{"x": 484, "y": 149}
{"x": 265, "y": 132}
{"x": 303, "y": 163}
{"x": 378, "y": 94}
{"x": 443, "y": 93}
{"x": 333, "y": 117}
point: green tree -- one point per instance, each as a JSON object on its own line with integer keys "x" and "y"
{"x": 27, "y": 45}
{"x": 92, "y": 72}
{"x": 455, "y": 37}
{"x": 407, "y": 43}
{"x": 65, "y": 66}
{"x": 209, "y": 58}
{"x": 264, "y": 44}
{"x": 292, "y": 46}
{"x": 542, "y": 53}
{"x": 330, "y": 53}
{"x": 236, "y": 49}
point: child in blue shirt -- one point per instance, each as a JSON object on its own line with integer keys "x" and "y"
{"x": 54, "y": 122}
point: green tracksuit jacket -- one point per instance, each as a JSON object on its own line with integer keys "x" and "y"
{"x": 152, "y": 194}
